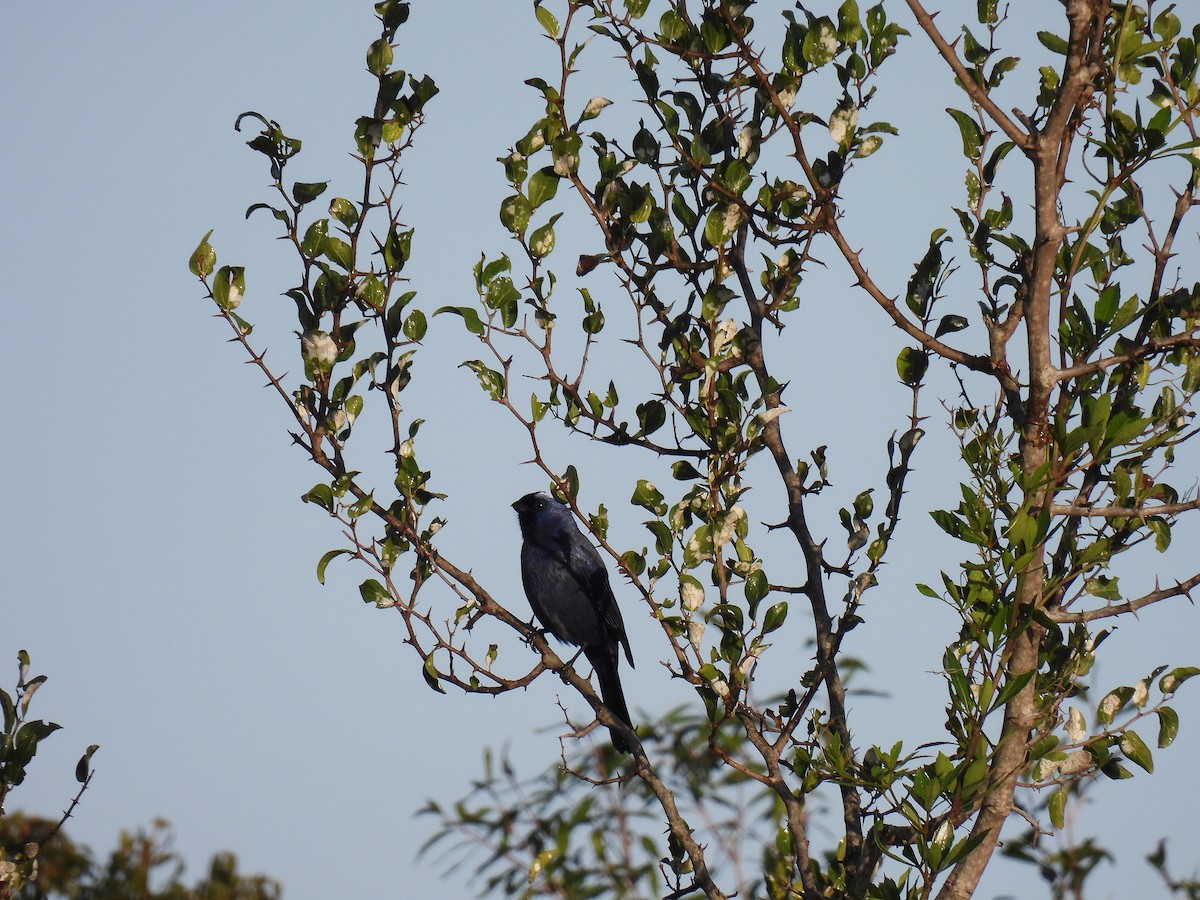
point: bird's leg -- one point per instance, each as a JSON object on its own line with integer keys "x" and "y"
{"x": 537, "y": 629}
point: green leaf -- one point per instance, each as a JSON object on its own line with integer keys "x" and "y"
{"x": 83, "y": 767}
{"x": 279, "y": 214}
{"x": 325, "y": 560}
{"x": 314, "y": 238}
{"x": 911, "y": 365}
{"x": 415, "y": 325}
{"x": 515, "y": 212}
{"x": 593, "y": 320}
{"x": 1136, "y": 751}
{"x": 722, "y": 223}
{"x": 684, "y": 213}
{"x": 850, "y": 29}
{"x": 1011, "y": 688}
{"x": 968, "y": 128}
{"x": 923, "y": 283}
{"x": 379, "y": 57}
{"x": 1001, "y": 68}
{"x": 430, "y": 673}
{"x": 636, "y": 8}
{"x": 564, "y": 150}
{"x": 500, "y": 292}
{"x": 36, "y": 731}
{"x": 397, "y": 249}
{"x": 1126, "y": 314}
{"x": 1162, "y": 532}
{"x": 651, "y": 416}
{"x": 1114, "y": 770}
{"x": 646, "y": 147}
{"x": 950, "y": 324}
{"x": 1052, "y": 42}
{"x": 322, "y": 495}
{"x": 1056, "y": 808}
{"x": 1102, "y": 586}
{"x": 715, "y": 35}
{"x": 568, "y": 485}
{"x": 993, "y": 163}
{"x": 485, "y": 271}
{"x": 1168, "y": 726}
{"x": 672, "y": 27}
{"x": 374, "y": 592}
{"x": 204, "y": 258}
{"x": 647, "y": 496}
{"x": 469, "y": 315}
{"x": 344, "y": 211}
{"x": 547, "y": 20}
{"x": 229, "y": 286}
{"x": 540, "y": 862}
{"x": 1112, "y": 703}
{"x": 367, "y": 132}
{"x": 1170, "y": 682}
{"x": 307, "y": 191}
{"x": 490, "y": 380}
{"x": 339, "y": 252}
{"x": 820, "y": 44}
{"x": 391, "y": 131}
{"x": 864, "y": 505}
{"x": 775, "y": 616}
{"x": 361, "y": 507}
{"x": 737, "y": 176}
{"x": 756, "y": 587}
{"x": 541, "y": 242}
{"x": 1166, "y": 25}
{"x": 543, "y": 185}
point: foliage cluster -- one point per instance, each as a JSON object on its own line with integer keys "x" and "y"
{"x": 1076, "y": 368}
{"x": 19, "y": 742}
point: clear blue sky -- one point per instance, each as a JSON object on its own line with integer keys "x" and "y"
{"x": 159, "y": 565}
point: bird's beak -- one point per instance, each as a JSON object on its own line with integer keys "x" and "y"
{"x": 526, "y": 504}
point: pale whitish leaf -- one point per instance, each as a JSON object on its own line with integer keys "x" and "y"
{"x": 593, "y": 108}
{"x": 1076, "y": 726}
{"x": 768, "y": 416}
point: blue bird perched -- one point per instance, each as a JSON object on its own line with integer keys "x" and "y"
{"x": 567, "y": 586}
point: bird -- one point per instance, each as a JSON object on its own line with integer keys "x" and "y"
{"x": 568, "y": 589}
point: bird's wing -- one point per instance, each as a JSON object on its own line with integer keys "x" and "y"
{"x": 584, "y": 563}
{"x": 601, "y": 594}
{"x": 589, "y": 567}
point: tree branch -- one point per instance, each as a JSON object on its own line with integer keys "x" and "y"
{"x": 1152, "y": 347}
{"x": 1124, "y": 512}
{"x": 1181, "y": 588}
{"x": 966, "y": 79}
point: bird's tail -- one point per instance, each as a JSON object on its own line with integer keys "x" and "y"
{"x": 604, "y": 661}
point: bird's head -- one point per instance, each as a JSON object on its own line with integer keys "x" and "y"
{"x": 540, "y": 510}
